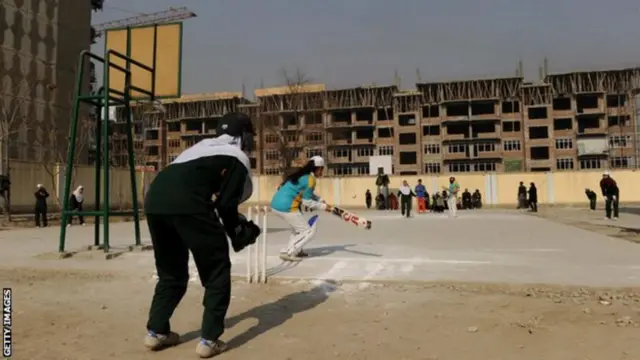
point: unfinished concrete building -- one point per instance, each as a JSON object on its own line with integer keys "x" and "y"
{"x": 460, "y": 125}
{"x": 290, "y": 125}
{"x": 186, "y": 120}
{"x": 359, "y": 124}
{"x": 574, "y": 121}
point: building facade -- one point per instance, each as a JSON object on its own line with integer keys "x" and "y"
{"x": 41, "y": 41}
{"x": 572, "y": 121}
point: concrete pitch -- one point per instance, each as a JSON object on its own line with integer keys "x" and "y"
{"x": 478, "y": 246}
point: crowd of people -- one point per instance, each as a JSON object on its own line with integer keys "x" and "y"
{"x": 448, "y": 199}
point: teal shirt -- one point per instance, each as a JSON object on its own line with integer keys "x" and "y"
{"x": 453, "y": 188}
{"x": 289, "y": 197}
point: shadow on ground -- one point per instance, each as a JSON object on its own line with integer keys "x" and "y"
{"x": 274, "y": 314}
{"x": 330, "y": 250}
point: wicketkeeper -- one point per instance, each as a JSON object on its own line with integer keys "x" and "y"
{"x": 182, "y": 217}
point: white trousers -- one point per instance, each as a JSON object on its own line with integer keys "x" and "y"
{"x": 452, "y": 202}
{"x": 301, "y": 232}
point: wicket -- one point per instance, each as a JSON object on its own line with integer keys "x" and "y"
{"x": 257, "y": 253}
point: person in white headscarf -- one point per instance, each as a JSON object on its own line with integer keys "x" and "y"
{"x": 406, "y": 196}
{"x": 76, "y": 200}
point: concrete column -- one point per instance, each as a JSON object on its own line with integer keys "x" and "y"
{"x": 337, "y": 192}
{"x": 488, "y": 190}
{"x": 551, "y": 188}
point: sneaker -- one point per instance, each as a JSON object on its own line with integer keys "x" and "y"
{"x": 287, "y": 257}
{"x": 156, "y": 342}
{"x": 615, "y": 218}
{"x": 208, "y": 348}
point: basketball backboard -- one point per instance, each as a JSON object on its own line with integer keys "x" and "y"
{"x": 138, "y": 43}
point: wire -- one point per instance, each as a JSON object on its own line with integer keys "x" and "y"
{"x": 123, "y": 10}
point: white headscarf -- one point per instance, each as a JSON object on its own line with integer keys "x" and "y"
{"x": 79, "y": 196}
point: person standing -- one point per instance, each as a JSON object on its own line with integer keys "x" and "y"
{"x": 423, "y": 197}
{"x": 593, "y": 198}
{"x": 299, "y": 188}
{"x": 41, "y": 195}
{"x": 476, "y": 198}
{"x": 367, "y": 198}
{"x": 406, "y": 196}
{"x": 77, "y": 199}
{"x": 466, "y": 200}
{"x": 522, "y": 196}
{"x": 533, "y": 197}
{"x": 452, "y": 200}
{"x": 182, "y": 217}
{"x": 611, "y": 193}
{"x": 382, "y": 182}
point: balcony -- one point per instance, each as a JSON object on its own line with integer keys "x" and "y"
{"x": 486, "y": 135}
{"x": 384, "y": 123}
{"x": 446, "y": 155}
{"x": 339, "y": 124}
{"x": 364, "y": 123}
{"x": 592, "y": 132}
{"x": 538, "y": 142}
{"x": 385, "y": 141}
{"x": 360, "y": 141}
{"x": 496, "y": 154}
{"x": 545, "y": 163}
{"x": 485, "y": 117}
{"x": 340, "y": 142}
{"x": 339, "y": 159}
{"x": 562, "y": 113}
{"x": 448, "y": 118}
{"x": 590, "y": 111}
{"x": 450, "y": 137}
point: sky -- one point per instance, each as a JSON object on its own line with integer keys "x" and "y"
{"x": 346, "y": 43}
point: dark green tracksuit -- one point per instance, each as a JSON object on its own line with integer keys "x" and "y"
{"x": 180, "y": 216}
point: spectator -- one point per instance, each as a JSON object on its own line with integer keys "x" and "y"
{"x": 522, "y": 196}
{"x": 76, "y": 200}
{"x": 533, "y": 197}
{"x": 41, "y": 195}
{"x": 611, "y": 193}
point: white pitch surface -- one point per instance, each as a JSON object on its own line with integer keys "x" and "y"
{"x": 477, "y": 246}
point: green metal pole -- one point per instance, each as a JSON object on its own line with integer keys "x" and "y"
{"x": 98, "y": 134}
{"x": 130, "y": 145}
{"x": 132, "y": 166}
{"x": 105, "y": 153}
{"x": 71, "y": 152}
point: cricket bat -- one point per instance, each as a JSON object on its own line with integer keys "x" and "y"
{"x": 349, "y": 217}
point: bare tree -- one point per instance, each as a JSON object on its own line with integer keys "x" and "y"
{"x": 290, "y": 133}
{"x": 16, "y": 120}
{"x": 54, "y": 147}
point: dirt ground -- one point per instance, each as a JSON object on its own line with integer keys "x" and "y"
{"x": 81, "y": 315}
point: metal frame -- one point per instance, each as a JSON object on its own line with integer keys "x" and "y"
{"x": 105, "y": 97}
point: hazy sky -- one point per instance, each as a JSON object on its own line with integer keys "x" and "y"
{"x": 355, "y": 42}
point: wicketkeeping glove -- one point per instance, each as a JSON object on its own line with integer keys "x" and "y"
{"x": 245, "y": 234}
